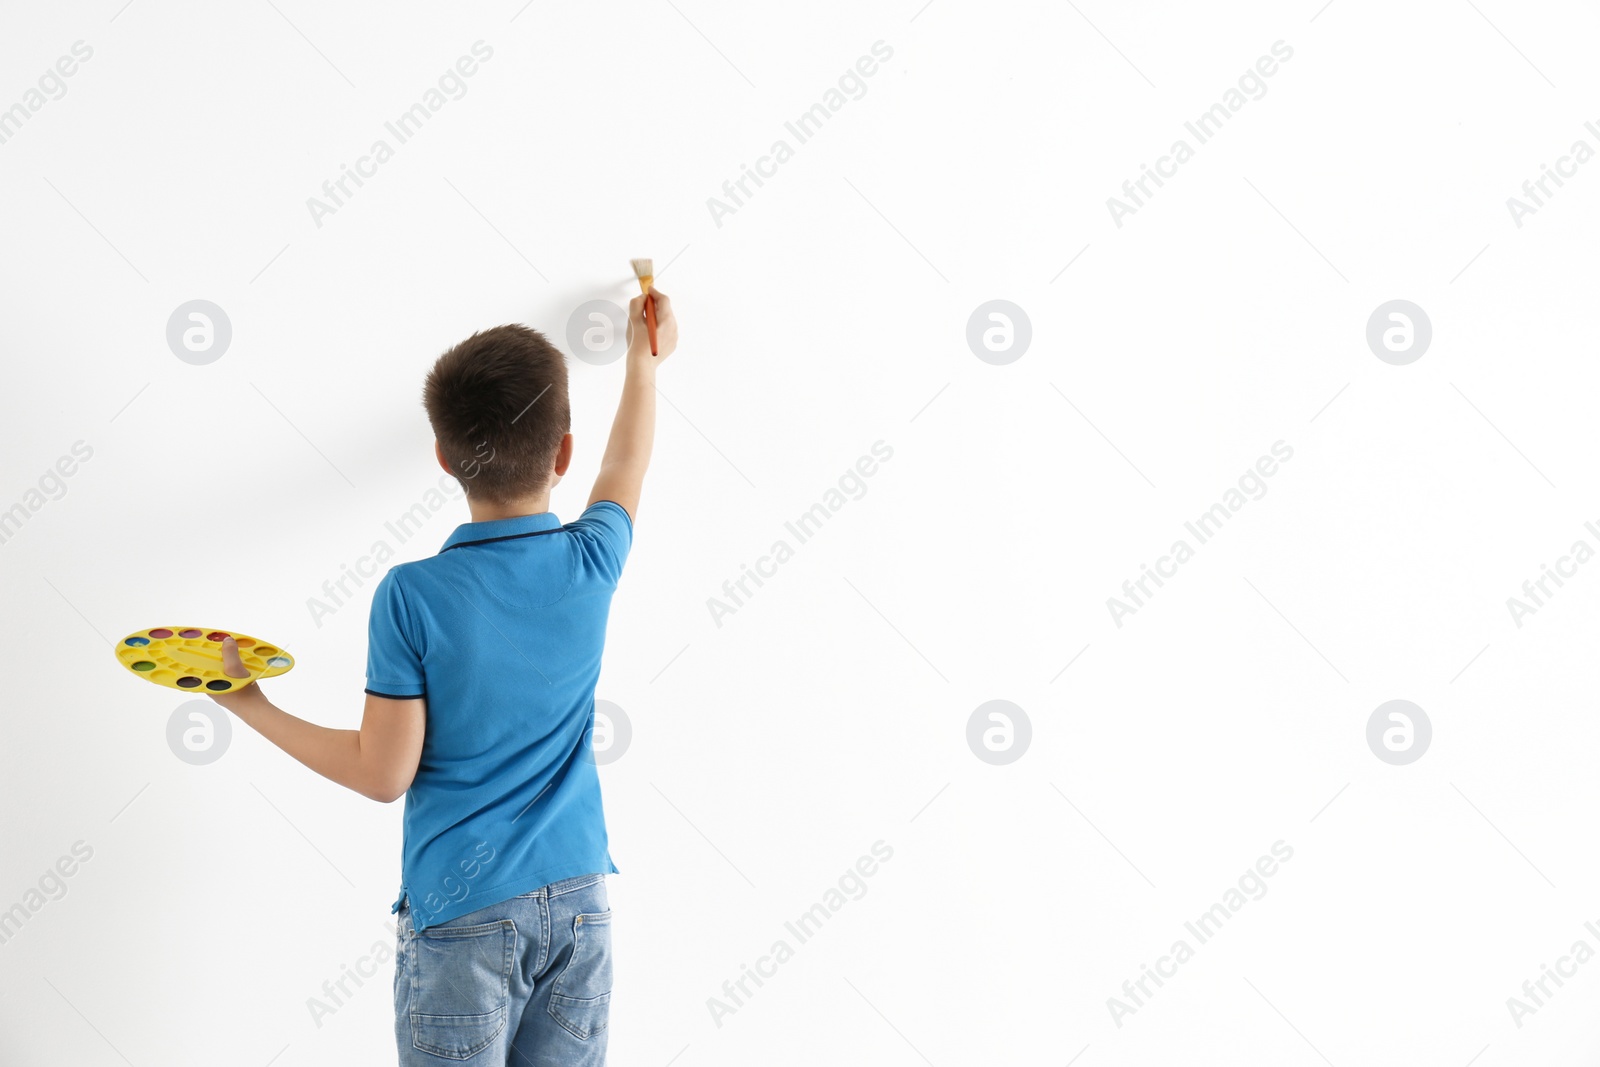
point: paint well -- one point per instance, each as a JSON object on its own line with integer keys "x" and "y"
{"x": 189, "y": 682}
{"x": 137, "y": 642}
{"x": 160, "y": 633}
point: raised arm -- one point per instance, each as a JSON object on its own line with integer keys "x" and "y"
{"x": 633, "y": 431}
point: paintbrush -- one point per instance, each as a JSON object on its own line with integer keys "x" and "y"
{"x": 644, "y": 270}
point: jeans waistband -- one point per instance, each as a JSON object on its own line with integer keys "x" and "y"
{"x": 566, "y": 885}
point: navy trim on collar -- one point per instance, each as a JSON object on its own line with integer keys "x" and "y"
{"x": 477, "y": 533}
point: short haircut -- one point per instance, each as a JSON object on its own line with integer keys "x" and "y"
{"x": 498, "y": 405}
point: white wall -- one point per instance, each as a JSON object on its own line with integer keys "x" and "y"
{"x": 828, "y": 312}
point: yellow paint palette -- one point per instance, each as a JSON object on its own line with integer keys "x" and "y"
{"x": 189, "y": 658}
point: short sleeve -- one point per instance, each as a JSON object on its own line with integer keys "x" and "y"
{"x": 605, "y": 534}
{"x": 394, "y": 666}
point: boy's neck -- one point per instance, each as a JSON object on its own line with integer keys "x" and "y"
{"x": 487, "y": 511}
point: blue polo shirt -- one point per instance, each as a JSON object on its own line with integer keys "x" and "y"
{"x": 502, "y": 633}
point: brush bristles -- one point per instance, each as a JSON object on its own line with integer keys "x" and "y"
{"x": 644, "y": 270}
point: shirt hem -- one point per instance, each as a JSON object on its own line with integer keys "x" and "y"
{"x": 501, "y": 892}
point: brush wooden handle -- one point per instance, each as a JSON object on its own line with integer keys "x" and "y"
{"x": 650, "y": 320}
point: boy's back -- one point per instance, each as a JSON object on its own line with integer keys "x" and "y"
{"x": 502, "y": 633}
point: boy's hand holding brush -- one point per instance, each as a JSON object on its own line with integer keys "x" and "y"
{"x": 652, "y": 337}
{"x": 651, "y": 325}
{"x": 646, "y": 308}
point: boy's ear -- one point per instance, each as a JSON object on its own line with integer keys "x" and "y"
{"x": 563, "y": 456}
{"x": 438, "y": 454}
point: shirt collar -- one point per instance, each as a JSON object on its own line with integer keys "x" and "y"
{"x": 500, "y": 529}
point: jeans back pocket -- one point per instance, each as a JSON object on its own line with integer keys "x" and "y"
{"x": 460, "y": 979}
{"x": 580, "y": 1000}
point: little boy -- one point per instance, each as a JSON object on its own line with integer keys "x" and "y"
{"x": 481, "y": 668}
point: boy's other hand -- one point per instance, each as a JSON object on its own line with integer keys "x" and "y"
{"x": 234, "y": 667}
{"x": 666, "y": 326}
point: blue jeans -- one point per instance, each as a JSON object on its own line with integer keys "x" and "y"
{"x": 525, "y": 982}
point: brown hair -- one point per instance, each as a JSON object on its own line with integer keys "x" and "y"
{"x": 498, "y": 405}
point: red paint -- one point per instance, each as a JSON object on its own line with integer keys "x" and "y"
{"x": 218, "y": 636}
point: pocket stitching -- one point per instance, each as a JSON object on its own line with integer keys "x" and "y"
{"x": 572, "y": 1027}
{"x": 445, "y": 933}
{"x": 558, "y": 998}
{"x": 508, "y": 929}
{"x": 451, "y": 1054}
